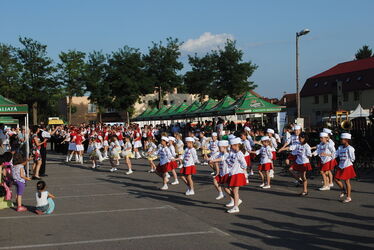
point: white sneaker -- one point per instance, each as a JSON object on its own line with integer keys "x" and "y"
{"x": 93, "y": 166}
{"x": 151, "y": 171}
{"x": 262, "y": 185}
{"x": 230, "y": 204}
{"x": 164, "y": 187}
{"x": 213, "y": 173}
{"x": 331, "y": 185}
{"x": 347, "y": 200}
{"x": 192, "y": 192}
{"x": 129, "y": 172}
{"x": 220, "y": 196}
{"x": 167, "y": 175}
{"x": 251, "y": 172}
{"x": 112, "y": 169}
{"x": 205, "y": 163}
{"x": 117, "y": 163}
{"x": 187, "y": 192}
{"x": 233, "y": 210}
{"x": 325, "y": 188}
{"x": 176, "y": 182}
{"x": 266, "y": 187}
{"x": 240, "y": 202}
{"x": 180, "y": 166}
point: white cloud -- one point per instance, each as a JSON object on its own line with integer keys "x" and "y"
{"x": 206, "y": 41}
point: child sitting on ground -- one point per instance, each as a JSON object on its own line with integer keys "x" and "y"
{"x": 44, "y": 199}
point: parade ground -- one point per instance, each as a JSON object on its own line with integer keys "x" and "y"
{"x": 97, "y": 209}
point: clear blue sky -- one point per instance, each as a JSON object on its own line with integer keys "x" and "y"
{"x": 264, "y": 30}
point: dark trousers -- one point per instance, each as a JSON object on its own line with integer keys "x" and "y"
{"x": 43, "y": 154}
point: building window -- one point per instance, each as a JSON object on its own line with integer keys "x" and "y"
{"x": 165, "y": 102}
{"x": 171, "y": 102}
{"x": 316, "y": 99}
{"x": 345, "y": 97}
{"x": 326, "y": 99}
{"x": 184, "y": 100}
{"x": 91, "y": 108}
{"x": 111, "y": 110}
{"x": 356, "y": 96}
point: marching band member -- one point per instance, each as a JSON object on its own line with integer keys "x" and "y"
{"x": 222, "y": 173}
{"x": 151, "y": 154}
{"x": 237, "y": 167}
{"x": 266, "y": 161}
{"x": 326, "y": 153}
{"x": 189, "y": 165}
{"x": 164, "y": 166}
{"x": 345, "y": 170}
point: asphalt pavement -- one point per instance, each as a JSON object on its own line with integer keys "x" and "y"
{"x": 97, "y": 209}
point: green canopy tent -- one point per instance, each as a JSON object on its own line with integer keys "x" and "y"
{"x": 10, "y": 108}
{"x": 9, "y": 120}
{"x": 153, "y": 111}
{"x": 167, "y": 113}
{"x": 221, "y": 105}
{"x": 191, "y": 108}
{"x": 156, "y": 115}
{"x": 145, "y": 112}
{"x": 250, "y": 103}
{"x": 177, "y": 111}
{"x": 202, "y": 109}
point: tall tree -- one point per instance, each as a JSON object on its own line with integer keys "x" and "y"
{"x": 364, "y": 52}
{"x": 71, "y": 74}
{"x": 220, "y": 73}
{"x": 200, "y": 79}
{"x": 96, "y": 81}
{"x": 36, "y": 75}
{"x": 10, "y": 70}
{"x": 127, "y": 78}
{"x": 162, "y": 66}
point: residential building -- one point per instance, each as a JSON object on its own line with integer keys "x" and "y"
{"x": 341, "y": 87}
{"x": 289, "y": 101}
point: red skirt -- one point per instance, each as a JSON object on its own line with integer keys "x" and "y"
{"x": 247, "y": 159}
{"x": 274, "y": 155}
{"x": 222, "y": 179}
{"x": 326, "y": 166}
{"x": 253, "y": 156}
{"x": 333, "y": 164}
{"x": 174, "y": 164}
{"x": 345, "y": 173}
{"x": 291, "y": 157}
{"x": 237, "y": 180}
{"x": 164, "y": 168}
{"x": 188, "y": 170}
{"x": 264, "y": 167}
{"x": 302, "y": 167}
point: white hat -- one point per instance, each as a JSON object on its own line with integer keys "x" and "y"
{"x": 231, "y": 137}
{"x": 328, "y": 131}
{"x": 235, "y": 141}
{"x": 323, "y": 134}
{"x": 164, "y": 138}
{"x": 189, "y": 139}
{"x": 214, "y": 134}
{"x": 297, "y": 127}
{"x": 346, "y": 136}
{"x": 265, "y": 138}
{"x": 171, "y": 138}
{"x": 271, "y": 131}
{"x": 247, "y": 129}
{"x": 223, "y": 143}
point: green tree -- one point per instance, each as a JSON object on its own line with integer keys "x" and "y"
{"x": 364, "y": 52}
{"x": 200, "y": 79}
{"x": 127, "y": 78}
{"x": 162, "y": 66}
{"x": 233, "y": 73}
{"x": 96, "y": 81}
{"x": 10, "y": 70}
{"x": 220, "y": 73}
{"x": 36, "y": 75}
{"x": 71, "y": 74}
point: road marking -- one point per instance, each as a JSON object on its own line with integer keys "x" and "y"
{"x": 83, "y": 196}
{"x": 86, "y": 212}
{"x": 219, "y": 231}
{"x": 142, "y": 237}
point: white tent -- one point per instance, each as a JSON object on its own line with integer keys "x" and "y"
{"x": 359, "y": 112}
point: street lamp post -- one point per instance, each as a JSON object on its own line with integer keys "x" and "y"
{"x": 298, "y": 34}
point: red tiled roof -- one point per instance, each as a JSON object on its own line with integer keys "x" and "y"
{"x": 355, "y": 75}
{"x": 347, "y": 67}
